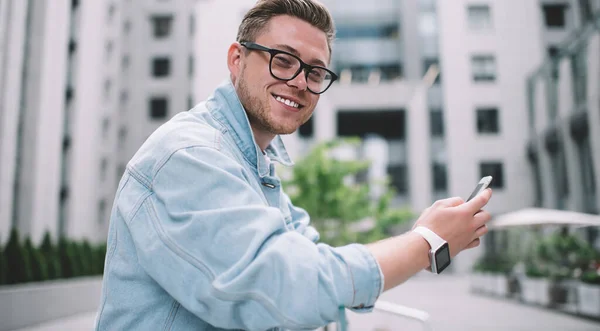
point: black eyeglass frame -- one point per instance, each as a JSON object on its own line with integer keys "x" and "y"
{"x": 303, "y": 66}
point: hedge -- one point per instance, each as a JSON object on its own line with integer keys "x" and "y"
{"x": 22, "y": 262}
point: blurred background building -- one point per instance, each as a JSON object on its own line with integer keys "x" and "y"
{"x": 444, "y": 92}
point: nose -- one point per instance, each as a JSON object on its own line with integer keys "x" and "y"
{"x": 299, "y": 81}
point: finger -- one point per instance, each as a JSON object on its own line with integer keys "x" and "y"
{"x": 478, "y": 202}
{"x": 481, "y": 231}
{"x": 482, "y": 217}
{"x": 450, "y": 202}
{"x": 473, "y": 243}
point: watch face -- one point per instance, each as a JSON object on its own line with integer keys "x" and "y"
{"x": 442, "y": 258}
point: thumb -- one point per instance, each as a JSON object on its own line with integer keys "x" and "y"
{"x": 478, "y": 202}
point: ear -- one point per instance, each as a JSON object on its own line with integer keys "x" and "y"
{"x": 234, "y": 59}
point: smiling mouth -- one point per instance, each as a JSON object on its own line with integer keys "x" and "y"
{"x": 288, "y": 102}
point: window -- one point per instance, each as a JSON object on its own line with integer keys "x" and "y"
{"x": 306, "y": 129}
{"x": 388, "y": 31}
{"x": 487, "y": 120}
{"x": 107, "y": 89}
{"x": 495, "y": 170}
{"x": 483, "y": 68}
{"x": 440, "y": 177}
{"x": 158, "y": 107}
{"x": 552, "y": 51}
{"x": 192, "y": 25}
{"x": 554, "y": 15}
{"x": 72, "y": 46}
{"x": 399, "y": 178}
{"x": 103, "y": 169}
{"x": 432, "y": 62}
{"x": 111, "y": 12}
{"x": 109, "y": 50}
{"x": 125, "y": 62}
{"x": 124, "y": 97}
{"x": 161, "y": 67}
{"x": 390, "y": 124}
{"x": 102, "y": 212}
{"x": 586, "y": 167}
{"x": 162, "y": 25}
{"x": 436, "y": 123}
{"x": 479, "y": 17}
{"x": 105, "y": 127}
{"x": 191, "y": 66}
{"x": 122, "y": 137}
{"x": 362, "y": 73}
{"x": 127, "y": 26}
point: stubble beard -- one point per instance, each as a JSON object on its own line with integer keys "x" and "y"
{"x": 258, "y": 111}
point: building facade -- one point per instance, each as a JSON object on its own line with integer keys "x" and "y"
{"x": 563, "y": 122}
{"x": 52, "y": 108}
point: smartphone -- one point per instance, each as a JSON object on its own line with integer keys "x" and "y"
{"x": 482, "y": 185}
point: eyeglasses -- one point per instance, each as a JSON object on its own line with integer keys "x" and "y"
{"x": 286, "y": 66}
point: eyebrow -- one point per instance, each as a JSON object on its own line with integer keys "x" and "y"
{"x": 295, "y": 52}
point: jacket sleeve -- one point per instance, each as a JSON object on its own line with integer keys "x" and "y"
{"x": 301, "y": 221}
{"x": 208, "y": 239}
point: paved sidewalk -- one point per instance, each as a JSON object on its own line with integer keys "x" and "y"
{"x": 80, "y": 322}
{"x": 446, "y": 298}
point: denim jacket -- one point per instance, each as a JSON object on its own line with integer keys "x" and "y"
{"x": 203, "y": 237}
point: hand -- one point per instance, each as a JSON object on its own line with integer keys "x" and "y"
{"x": 459, "y": 223}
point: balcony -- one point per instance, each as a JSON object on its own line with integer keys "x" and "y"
{"x": 364, "y": 12}
{"x": 368, "y": 51}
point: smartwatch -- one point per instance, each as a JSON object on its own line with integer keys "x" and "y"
{"x": 439, "y": 254}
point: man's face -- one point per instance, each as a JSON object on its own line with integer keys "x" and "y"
{"x": 262, "y": 95}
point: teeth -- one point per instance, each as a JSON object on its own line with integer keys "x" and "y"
{"x": 287, "y": 102}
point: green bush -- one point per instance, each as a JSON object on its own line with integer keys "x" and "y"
{"x": 39, "y": 269}
{"x": 17, "y": 259}
{"x": 87, "y": 258}
{"x": 50, "y": 254}
{"x": 99, "y": 257}
{"x": 67, "y": 259}
{"x": 3, "y": 268}
{"x": 591, "y": 277}
{"x": 495, "y": 263}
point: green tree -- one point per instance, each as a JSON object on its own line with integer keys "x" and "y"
{"x": 88, "y": 259}
{"x": 318, "y": 185}
{"x": 3, "y": 267}
{"x": 49, "y": 251}
{"x": 39, "y": 269}
{"x": 68, "y": 259}
{"x": 17, "y": 259}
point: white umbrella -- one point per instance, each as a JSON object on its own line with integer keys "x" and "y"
{"x": 543, "y": 216}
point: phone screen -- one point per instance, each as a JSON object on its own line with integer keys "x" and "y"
{"x": 475, "y": 191}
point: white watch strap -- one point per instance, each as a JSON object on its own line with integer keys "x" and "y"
{"x": 432, "y": 238}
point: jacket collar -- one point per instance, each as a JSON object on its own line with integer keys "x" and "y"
{"x": 225, "y": 106}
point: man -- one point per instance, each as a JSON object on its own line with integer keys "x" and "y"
{"x": 202, "y": 236}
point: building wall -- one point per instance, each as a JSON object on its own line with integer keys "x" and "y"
{"x": 13, "y": 15}
{"x": 141, "y": 46}
{"x": 569, "y": 177}
{"x": 507, "y": 40}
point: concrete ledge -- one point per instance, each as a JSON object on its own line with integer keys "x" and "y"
{"x": 34, "y": 303}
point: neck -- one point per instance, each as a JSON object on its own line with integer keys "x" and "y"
{"x": 262, "y": 137}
